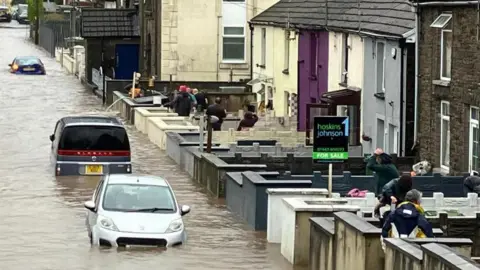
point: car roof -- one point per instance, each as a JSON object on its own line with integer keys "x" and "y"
{"x": 89, "y": 120}
{"x": 147, "y": 180}
{"x": 3, "y": 7}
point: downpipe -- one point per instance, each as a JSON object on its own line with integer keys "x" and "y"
{"x": 417, "y": 38}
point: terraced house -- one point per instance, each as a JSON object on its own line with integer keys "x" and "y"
{"x": 353, "y": 58}
{"x": 448, "y": 92}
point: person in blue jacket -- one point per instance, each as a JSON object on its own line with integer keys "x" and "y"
{"x": 408, "y": 219}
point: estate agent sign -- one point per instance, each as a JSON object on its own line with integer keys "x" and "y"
{"x": 331, "y": 139}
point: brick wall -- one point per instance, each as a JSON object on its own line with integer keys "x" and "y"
{"x": 462, "y": 92}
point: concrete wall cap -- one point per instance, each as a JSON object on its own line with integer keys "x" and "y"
{"x": 326, "y": 224}
{"x": 448, "y": 256}
{"x": 297, "y": 191}
{"x": 328, "y": 205}
{"x": 357, "y": 223}
{"x": 406, "y": 248}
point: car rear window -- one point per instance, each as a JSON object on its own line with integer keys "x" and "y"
{"x": 27, "y": 61}
{"x": 94, "y": 138}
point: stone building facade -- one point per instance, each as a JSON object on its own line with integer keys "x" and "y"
{"x": 449, "y": 89}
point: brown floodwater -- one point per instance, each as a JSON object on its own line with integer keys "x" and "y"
{"x": 42, "y": 221}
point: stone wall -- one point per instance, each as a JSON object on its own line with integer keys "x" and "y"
{"x": 461, "y": 91}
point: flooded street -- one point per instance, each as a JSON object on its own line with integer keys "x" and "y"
{"x": 42, "y": 217}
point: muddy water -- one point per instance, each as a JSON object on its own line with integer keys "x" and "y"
{"x": 42, "y": 217}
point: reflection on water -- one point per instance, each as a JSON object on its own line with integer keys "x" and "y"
{"x": 43, "y": 219}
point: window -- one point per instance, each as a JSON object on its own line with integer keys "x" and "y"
{"x": 286, "y": 61}
{"x": 313, "y": 55}
{"x": 380, "y": 133}
{"x": 392, "y": 139}
{"x": 380, "y": 70}
{"x": 100, "y": 138}
{"x": 474, "y": 138}
{"x": 138, "y": 198}
{"x": 264, "y": 47}
{"x": 234, "y": 22}
{"x": 443, "y": 22}
{"x": 345, "y": 49}
{"x": 445, "y": 135}
{"x": 98, "y": 193}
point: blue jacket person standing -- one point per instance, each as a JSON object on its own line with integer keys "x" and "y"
{"x": 408, "y": 220}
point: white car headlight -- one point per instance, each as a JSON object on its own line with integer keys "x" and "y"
{"x": 107, "y": 223}
{"x": 175, "y": 226}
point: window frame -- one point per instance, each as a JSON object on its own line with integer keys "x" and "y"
{"x": 286, "y": 59}
{"x": 442, "y": 118}
{"x": 344, "y": 63}
{"x": 442, "y": 77}
{"x": 435, "y": 23}
{"x": 244, "y": 36}
{"x": 263, "y": 55}
{"x": 473, "y": 123}
{"x": 384, "y": 61}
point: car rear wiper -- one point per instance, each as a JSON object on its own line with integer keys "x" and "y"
{"x": 153, "y": 209}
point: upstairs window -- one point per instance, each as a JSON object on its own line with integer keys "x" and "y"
{"x": 444, "y": 23}
{"x": 234, "y": 22}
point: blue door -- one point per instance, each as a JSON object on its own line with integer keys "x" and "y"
{"x": 126, "y": 61}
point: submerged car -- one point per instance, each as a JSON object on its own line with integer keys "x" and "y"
{"x": 90, "y": 145}
{"x": 27, "y": 65}
{"x": 130, "y": 210}
{"x": 5, "y": 15}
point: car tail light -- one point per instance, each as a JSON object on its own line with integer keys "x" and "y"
{"x": 94, "y": 153}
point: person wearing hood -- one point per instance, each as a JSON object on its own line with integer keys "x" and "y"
{"x": 183, "y": 104}
{"x": 393, "y": 193}
{"x": 471, "y": 184}
{"x": 408, "y": 220}
{"x": 248, "y": 121}
{"x": 381, "y": 164}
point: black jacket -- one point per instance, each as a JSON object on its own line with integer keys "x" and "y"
{"x": 183, "y": 104}
{"x": 392, "y": 189}
{"x": 471, "y": 184}
{"x": 248, "y": 121}
{"x": 218, "y": 111}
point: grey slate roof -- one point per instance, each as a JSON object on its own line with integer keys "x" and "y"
{"x": 387, "y": 17}
{"x": 97, "y": 22}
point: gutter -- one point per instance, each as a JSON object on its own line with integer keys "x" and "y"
{"x": 450, "y": 3}
{"x": 324, "y": 28}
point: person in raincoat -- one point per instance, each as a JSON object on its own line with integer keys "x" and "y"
{"x": 408, "y": 219}
{"x": 381, "y": 164}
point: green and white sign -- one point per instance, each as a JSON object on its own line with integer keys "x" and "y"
{"x": 331, "y": 139}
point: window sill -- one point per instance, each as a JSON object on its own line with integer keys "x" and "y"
{"x": 285, "y": 71}
{"x": 380, "y": 95}
{"x": 239, "y": 62}
{"x": 225, "y": 65}
{"x": 444, "y": 83}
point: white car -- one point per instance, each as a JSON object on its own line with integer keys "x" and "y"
{"x": 128, "y": 210}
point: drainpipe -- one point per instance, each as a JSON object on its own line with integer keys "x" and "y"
{"x": 218, "y": 44}
{"x": 250, "y": 25}
{"x": 402, "y": 95}
{"x": 417, "y": 35}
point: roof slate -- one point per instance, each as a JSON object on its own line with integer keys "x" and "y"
{"x": 388, "y": 17}
{"x": 97, "y": 23}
